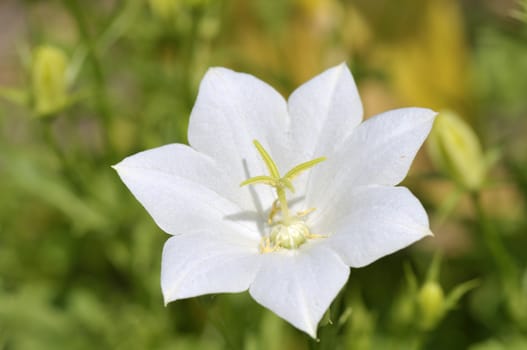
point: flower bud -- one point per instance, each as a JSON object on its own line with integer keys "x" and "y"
{"x": 521, "y": 13}
{"x": 166, "y": 10}
{"x": 49, "y": 86}
{"x": 454, "y": 148}
{"x": 431, "y": 301}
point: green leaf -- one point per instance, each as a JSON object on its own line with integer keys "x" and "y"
{"x": 458, "y": 292}
{"x": 434, "y": 269}
{"x": 411, "y": 279}
{"x": 16, "y": 96}
{"x": 54, "y": 190}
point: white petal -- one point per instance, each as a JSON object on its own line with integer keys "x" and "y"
{"x": 204, "y": 263}
{"x": 380, "y": 151}
{"x": 323, "y": 112}
{"x": 184, "y": 191}
{"x": 300, "y": 285}
{"x": 233, "y": 109}
{"x": 372, "y": 222}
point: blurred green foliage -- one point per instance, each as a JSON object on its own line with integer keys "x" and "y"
{"x": 79, "y": 257}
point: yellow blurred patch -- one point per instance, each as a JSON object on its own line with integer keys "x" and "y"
{"x": 429, "y": 68}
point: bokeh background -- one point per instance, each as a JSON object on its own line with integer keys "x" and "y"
{"x": 85, "y": 83}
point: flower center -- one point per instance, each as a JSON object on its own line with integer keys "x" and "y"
{"x": 290, "y": 232}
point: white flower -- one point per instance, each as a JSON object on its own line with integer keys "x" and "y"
{"x": 230, "y": 238}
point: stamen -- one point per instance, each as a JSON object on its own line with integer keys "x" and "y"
{"x": 305, "y": 212}
{"x": 274, "y": 210}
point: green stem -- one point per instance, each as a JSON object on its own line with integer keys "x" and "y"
{"x": 448, "y": 206}
{"x": 101, "y": 93}
{"x": 220, "y": 322}
{"x": 495, "y": 244}
{"x": 418, "y": 341}
{"x": 68, "y": 168}
{"x": 329, "y": 333}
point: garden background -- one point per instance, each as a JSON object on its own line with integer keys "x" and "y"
{"x": 84, "y": 84}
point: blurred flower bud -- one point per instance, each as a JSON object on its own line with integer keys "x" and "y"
{"x": 454, "y": 148}
{"x": 49, "y": 85}
{"x": 166, "y": 10}
{"x": 521, "y": 13}
{"x": 360, "y": 330}
{"x": 197, "y": 3}
{"x": 431, "y": 301}
{"x": 209, "y": 27}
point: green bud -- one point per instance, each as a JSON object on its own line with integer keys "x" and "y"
{"x": 166, "y": 10}
{"x": 431, "y": 302}
{"x": 521, "y": 13}
{"x": 197, "y": 3}
{"x": 49, "y": 85}
{"x": 454, "y": 148}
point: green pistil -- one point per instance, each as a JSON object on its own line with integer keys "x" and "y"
{"x": 278, "y": 182}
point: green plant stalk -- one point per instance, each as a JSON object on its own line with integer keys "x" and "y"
{"x": 329, "y": 334}
{"x": 493, "y": 240}
{"x": 507, "y": 267}
{"x": 101, "y": 94}
{"x": 69, "y": 169}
